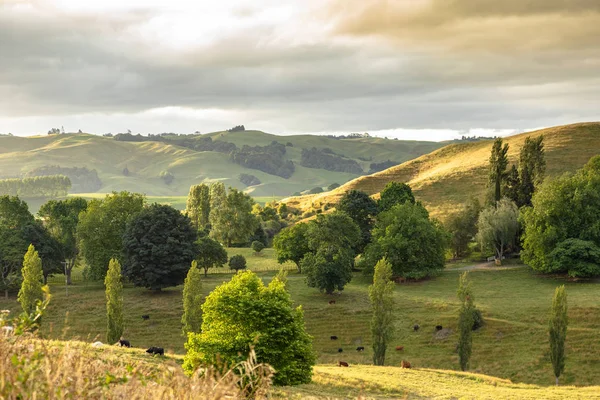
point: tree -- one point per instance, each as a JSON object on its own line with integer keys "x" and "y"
{"x": 61, "y": 218}
{"x": 210, "y": 254}
{"x": 498, "y": 165}
{"x": 558, "y": 331}
{"x": 237, "y": 262}
{"x": 291, "y": 244}
{"x": 328, "y": 265}
{"x": 381, "y": 294}
{"x": 512, "y": 186}
{"x": 561, "y": 233}
{"x": 244, "y": 313}
{"x": 101, "y": 227}
{"x": 393, "y": 194}
{"x": 31, "y": 289}
{"x": 412, "y": 243}
{"x": 14, "y": 212}
{"x": 192, "y": 301}
{"x": 465, "y": 321}
{"x": 114, "y": 301}
{"x": 462, "y": 226}
{"x": 231, "y": 217}
{"x": 532, "y": 168}
{"x": 158, "y": 247}
{"x": 498, "y": 227}
{"x": 198, "y": 206}
{"x": 257, "y": 246}
{"x": 363, "y": 210}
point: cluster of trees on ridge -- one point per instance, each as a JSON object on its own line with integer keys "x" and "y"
{"x": 326, "y": 159}
{"x": 269, "y": 159}
{"x": 38, "y": 187}
{"x": 82, "y": 179}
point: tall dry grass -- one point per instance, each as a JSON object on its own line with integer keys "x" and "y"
{"x": 31, "y": 368}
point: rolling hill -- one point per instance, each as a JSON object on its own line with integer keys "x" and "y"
{"x": 447, "y": 177}
{"x": 147, "y": 159}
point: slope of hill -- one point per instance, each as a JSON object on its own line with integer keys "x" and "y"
{"x": 447, "y": 177}
{"x": 146, "y": 160}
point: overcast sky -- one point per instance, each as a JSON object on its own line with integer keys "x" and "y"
{"x": 414, "y": 69}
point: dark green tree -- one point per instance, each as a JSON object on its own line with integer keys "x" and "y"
{"x": 561, "y": 230}
{"x": 61, "y": 218}
{"x": 498, "y": 165}
{"x": 558, "y": 331}
{"x": 291, "y": 244}
{"x": 512, "y": 187}
{"x": 462, "y": 226}
{"x": 363, "y": 210}
{"x": 393, "y": 194}
{"x": 210, "y": 254}
{"x": 532, "y": 168}
{"x": 381, "y": 294}
{"x": 244, "y": 313}
{"x": 237, "y": 262}
{"x": 101, "y": 227}
{"x": 159, "y": 244}
{"x": 409, "y": 240}
{"x": 257, "y": 246}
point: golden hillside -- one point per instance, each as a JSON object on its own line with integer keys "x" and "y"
{"x": 446, "y": 178}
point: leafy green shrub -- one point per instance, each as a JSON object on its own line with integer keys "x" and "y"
{"x": 244, "y": 313}
{"x": 237, "y": 262}
{"x": 257, "y": 246}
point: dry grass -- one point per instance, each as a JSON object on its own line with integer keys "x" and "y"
{"x": 446, "y": 178}
{"x": 32, "y": 368}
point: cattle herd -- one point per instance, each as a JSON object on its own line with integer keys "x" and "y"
{"x": 126, "y": 343}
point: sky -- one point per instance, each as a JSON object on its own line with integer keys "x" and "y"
{"x": 411, "y": 69}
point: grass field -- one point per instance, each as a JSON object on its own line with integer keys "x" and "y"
{"x": 445, "y": 179}
{"x": 512, "y": 345}
{"x": 146, "y": 160}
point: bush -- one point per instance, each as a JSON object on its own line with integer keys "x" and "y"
{"x": 244, "y": 313}
{"x": 316, "y": 190}
{"x": 477, "y": 319}
{"x": 237, "y": 262}
{"x": 257, "y": 246}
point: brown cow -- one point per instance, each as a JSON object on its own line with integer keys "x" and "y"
{"x": 405, "y": 364}
{"x": 399, "y": 348}
{"x": 342, "y": 364}
{"x": 331, "y": 302}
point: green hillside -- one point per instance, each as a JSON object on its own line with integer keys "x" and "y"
{"x": 146, "y": 160}
{"x": 444, "y": 179}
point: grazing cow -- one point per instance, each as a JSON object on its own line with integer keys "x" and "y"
{"x": 146, "y": 317}
{"x": 124, "y": 343}
{"x": 439, "y": 327}
{"x": 405, "y": 364}
{"x": 340, "y": 350}
{"x": 399, "y": 348}
{"x": 333, "y": 337}
{"x": 97, "y": 344}
{"x": 416, "y": 327}
{"x": 342, "y": 364}
{"x": 360, "y": 348}
{"x": 156, "y": 350}
{"x": 331, "y": 302}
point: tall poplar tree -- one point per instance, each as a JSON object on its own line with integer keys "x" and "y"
{"x": 532, "y": 168}
{"x": 498, "y": 165}
{"x": 558, "y": 331}
{"x": 114, "y": 301}
{"x": 192, "y": 300}
{"x": 381, "y": 294}
{"x": 465, "y": 321}
{"x": 31, "y": 288}
{"x": 198, "y": 206}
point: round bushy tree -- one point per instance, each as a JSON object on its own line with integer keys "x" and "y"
{"x": 362, "y": 209}
{"x": 159, "y": 245}
{"x": 237, "y": 262}
{"x": 562, "y": 229}
{"x": 210, "y": 254}
{"x": 393, "y": 194}
{"x": 243, "y": 313}
{"x": 257, "y": 246}
{"x": 409, "y": 240}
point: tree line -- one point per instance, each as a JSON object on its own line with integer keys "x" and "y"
{"x": 83, "y": 180}
{"x": 38, "y": 187}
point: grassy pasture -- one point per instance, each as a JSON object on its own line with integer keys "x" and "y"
{"x": 512, "y": 345}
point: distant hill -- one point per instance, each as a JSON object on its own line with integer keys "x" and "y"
{"x": 187, "y": 161}
{"x": 447, "y": 177}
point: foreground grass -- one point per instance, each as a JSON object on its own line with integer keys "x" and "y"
{"x": 513, "y": 344}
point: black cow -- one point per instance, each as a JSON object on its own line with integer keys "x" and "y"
{"x": 360, "y": 348}
{"x": 124, "y": 343}
{"x": 145, "y": 317}
{"x": 416, "y": 327}
{"x": 438, "y": 328}
{"x": 156, "y": 350}
{"x": 340, "y": 350}
{"x": 333, "y": 337}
